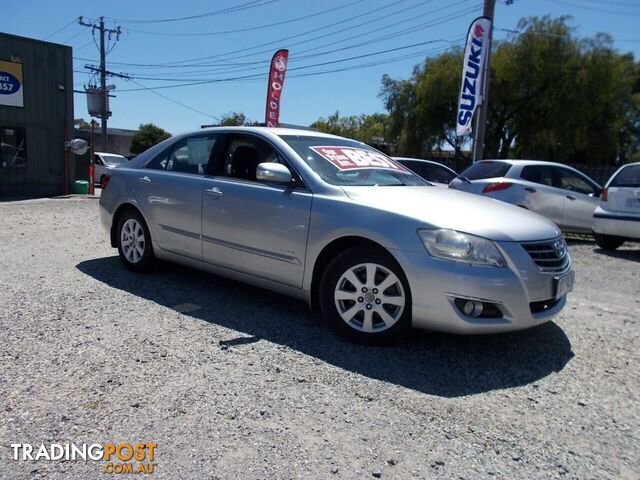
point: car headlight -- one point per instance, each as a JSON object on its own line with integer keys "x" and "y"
{"x": 461, "y": 247}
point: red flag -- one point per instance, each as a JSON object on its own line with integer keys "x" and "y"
{"x": 274, "y": 90}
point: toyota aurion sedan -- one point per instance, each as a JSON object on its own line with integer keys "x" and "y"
{"x": 561, "y": 193}
{"x": 340, "y": 225}
{"x": 617, "y": 218}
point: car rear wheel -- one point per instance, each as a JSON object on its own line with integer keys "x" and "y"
{"x": 608, "y": 242}
{"x": 365, "y": 296}
{"x": 134, "y": 242}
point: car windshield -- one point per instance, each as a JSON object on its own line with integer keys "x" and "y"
{"x": 487, "y": 169}
{"x": 115, "y": 159}
{"x": 628, "y": 177}
{"x": 344, "y": 162}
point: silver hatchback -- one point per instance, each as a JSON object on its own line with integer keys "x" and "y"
{"x": 340, "y": 225}
{"x": 559, "y": 192}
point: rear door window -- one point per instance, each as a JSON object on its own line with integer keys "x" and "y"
{"x": 540, "y": 174}
{"x": 628, "y": 177}
{"x": 490, "y": 169}
{"x": 189, "y": 155}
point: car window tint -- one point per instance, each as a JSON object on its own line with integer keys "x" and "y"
{"x": 243, "y": 155}
{"x": 439, "y": 174}
{"x": 97, "y": 160}
{"x": 418, "y": 167}
{"x": 570, "y": 180}
{"x": 540, "y": 174}
{"x": 189, "y": 155}
{"x": 628, "y": 177}
{"x": 489, "y": 169}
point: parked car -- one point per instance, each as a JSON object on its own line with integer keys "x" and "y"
{"x": 340, "y": 225}
{"x": 103, "y": 162}
{"x": 561, "y": 193}
{"x": 434, "y": 172}
{"x": 617, "y": 217}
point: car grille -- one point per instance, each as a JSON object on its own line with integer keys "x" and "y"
{"x": 550, "y": 256}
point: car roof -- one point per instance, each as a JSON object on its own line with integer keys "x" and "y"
{"x": 522, "y": 162}
{"x": 276, "y": 131}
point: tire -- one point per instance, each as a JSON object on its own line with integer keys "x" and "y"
{"x": 355, "y": 305}
{"x": 134, "y": 242}
{"x": 608, "y": 242}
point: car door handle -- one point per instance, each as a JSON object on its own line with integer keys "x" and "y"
{"x": 144, "y": 179}
{"x": 530, "y": 189}
{"x": 571, "y": 197}
{"x": 215, "y": 191}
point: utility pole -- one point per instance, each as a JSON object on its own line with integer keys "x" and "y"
{"x": 481, "y": 117}
{"x": 105, "y": 113}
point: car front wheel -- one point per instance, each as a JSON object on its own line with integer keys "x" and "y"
{"x": 608, "y": 242}
{"x": 134, "y": 242}
{"x": 365, "y": 296}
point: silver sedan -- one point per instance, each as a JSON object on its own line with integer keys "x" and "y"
{"x": 559, "y": 192}
{"x": 341, "y": 226}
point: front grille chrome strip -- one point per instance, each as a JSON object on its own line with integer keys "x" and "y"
{"x": 549, "y": 256}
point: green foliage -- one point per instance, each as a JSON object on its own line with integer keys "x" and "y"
{"x": 81, "y": 124}
{"x": 366, "y": 128}
{"x": 146, "y": 137}
{"x": 553, "y": 96}
{"x": 234, "y": 119}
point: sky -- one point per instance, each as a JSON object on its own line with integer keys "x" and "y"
{"x": 338, "y": 49}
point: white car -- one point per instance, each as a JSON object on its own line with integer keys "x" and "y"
{"x": 564, "y": 195}
{"x": 617, "y": 217}
{"x": 103, "y": 162}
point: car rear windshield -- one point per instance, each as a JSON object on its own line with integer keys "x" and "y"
{"x": 482, "y": 170}
{"x": 628, "y": 177}
{"x": 344, "y": 162}
{"x": 115, "y": 159}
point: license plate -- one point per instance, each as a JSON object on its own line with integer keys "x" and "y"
{"x": 633, "y": 202}
{"x": 564, "y": 284}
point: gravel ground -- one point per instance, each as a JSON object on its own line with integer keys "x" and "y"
{"x": 235, "y": 382}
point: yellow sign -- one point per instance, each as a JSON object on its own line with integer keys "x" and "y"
{"x": 11, "y": 84}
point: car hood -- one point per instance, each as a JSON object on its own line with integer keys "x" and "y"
{"x": 465, "y": 212}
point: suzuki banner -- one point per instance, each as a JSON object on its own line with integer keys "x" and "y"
{"x": 475, "y": 55}
{"x": 274, "y": 89}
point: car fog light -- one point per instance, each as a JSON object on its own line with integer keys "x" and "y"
{"x": 473, "y": 309}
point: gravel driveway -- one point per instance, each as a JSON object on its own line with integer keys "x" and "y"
{"x": 236, "y": 382}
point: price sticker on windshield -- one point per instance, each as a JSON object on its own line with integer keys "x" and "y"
{"x": 348, "y": 158}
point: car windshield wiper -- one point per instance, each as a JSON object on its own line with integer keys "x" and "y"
{"x": 464, "y": 179}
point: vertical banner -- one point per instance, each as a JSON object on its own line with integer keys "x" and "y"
{"x": 274, "y": 89}
{"x": 471, "y": 89}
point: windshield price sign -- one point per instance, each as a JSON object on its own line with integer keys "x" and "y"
{"x": 349, "y": 158}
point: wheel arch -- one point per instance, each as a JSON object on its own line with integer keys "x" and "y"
{"x": 329, "y": 252}
{"x": 117, "y": 215}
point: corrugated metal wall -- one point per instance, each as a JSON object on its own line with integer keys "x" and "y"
{"x": 45, "y": 67}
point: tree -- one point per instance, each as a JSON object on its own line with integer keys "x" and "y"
{"x": 235, "y": 119}
{"x": 146, "y": 137}
{"x": 81, "y": 124}
{"x": 366, "y": 128}
{"x": 553, "y": 97}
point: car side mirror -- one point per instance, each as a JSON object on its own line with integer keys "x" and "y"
{"x": 273, "y": 172}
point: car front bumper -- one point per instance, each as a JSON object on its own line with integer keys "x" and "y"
{"x": 524, "y": 294}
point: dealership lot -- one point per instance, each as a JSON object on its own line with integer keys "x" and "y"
{"x": 231, "y": 381}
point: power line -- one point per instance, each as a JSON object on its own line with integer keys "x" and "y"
{"x": 593, "y": 9}
{"x": 223, "y": 11}
{"x": 207, "y": 81}
{"x": 174, "y": 100}
{"x": 61, "y": 28}
{"x": 247, "y": 29}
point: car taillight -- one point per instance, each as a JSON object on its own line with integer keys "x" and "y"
{"x": 105, "y": 181}
{"x": 496, "y": 187}
{"x": 604, "y": 194}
